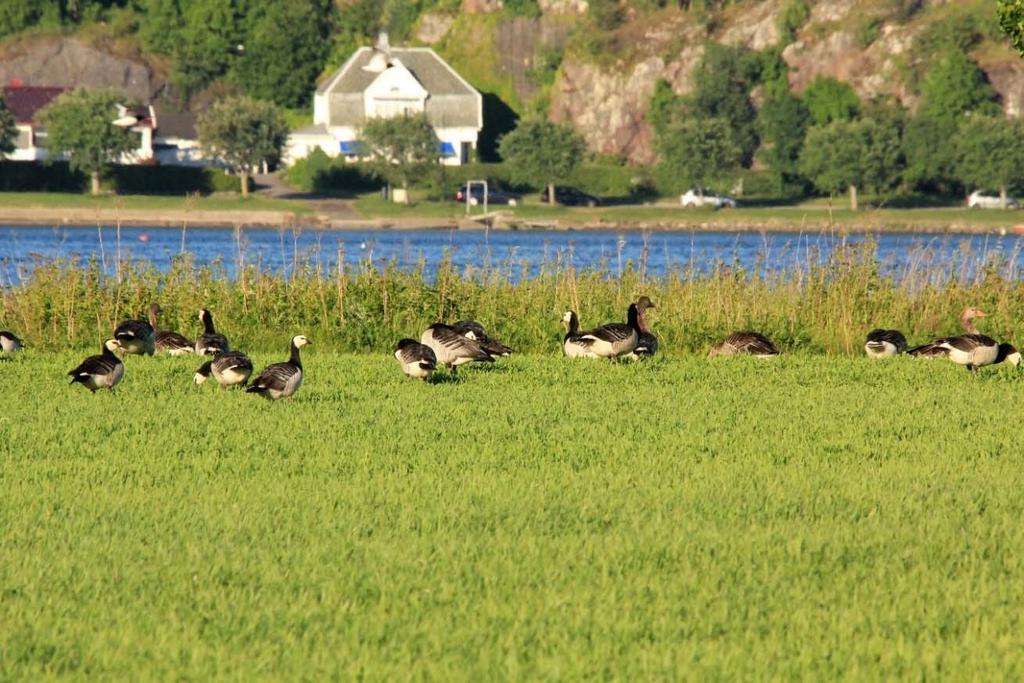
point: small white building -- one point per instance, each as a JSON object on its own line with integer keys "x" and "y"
{"x": 386, "y": 81}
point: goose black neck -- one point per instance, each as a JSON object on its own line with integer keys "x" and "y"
{"x": 208, "y": 323}
{"x": 1004, "y": 351}
{"x": 108, "y": 352}
{"x": 294, "y": 358}
{"x": 633, "y": 318}
{"x": 574, "y": 323}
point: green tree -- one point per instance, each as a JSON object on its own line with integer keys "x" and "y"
{"x": 990, "y": 153}
{"x": 80, "y": 124}
{"x": 539, "y": 150}
{"x": 8, "y": 127}
{"x": 722, "y": 84}
{"x": 783, "y": 121}
{"x": 244, "y": 134}
{"x": 1011, "y": 20}
{"x": 830, "y": 100}
{"x": 207, "y": 43}
{"x": 952, "y": 88}
{"x": 848, "y": 155}
{"x": 696, "y": 151}
{"x": 400, "y": 148}
{"x": 284, "y": 51}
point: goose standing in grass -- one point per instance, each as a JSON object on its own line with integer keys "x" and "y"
{"x": 9, "y": 343}
{"x": 230, "y": 369}
{"x": 613, "y": 340}
{"x": 211, "y": 342}
{"x": 752, "y": 343}
{"x": 574, "y": 343}
{"x": 451, "y": 348}
{"x": 100, "y": 372}
{"x": 417, "y": 360}
{"x": 173, "y": 343}
{"x": 281, "y": 380}
{"x": 136, "y": 337}
{"x": 885, "y": 343}
{"x": 972, "y": 350}
{"x": 471, "y": 329}
{"x": 647, "y": 344}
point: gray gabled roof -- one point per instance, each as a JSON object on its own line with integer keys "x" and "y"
{"x": 451, "y": 100}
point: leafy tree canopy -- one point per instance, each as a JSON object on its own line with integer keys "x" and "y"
{"x": 400, "y": 147}
{"x": 830, "y": 100}
{"x": 1011, "y": 20}
{"x": 80, "y": 124}
{"x": 955, "y": 86}
{"x": 722, "y": 84}
{"x": 697, "y": 151}
{"x": 243, "y": 133}
{"x": 782, "y": 122}
{"x": 990, "y": 153}
{"x": 538, "y": 150}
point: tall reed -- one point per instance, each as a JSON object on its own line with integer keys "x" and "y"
{"x": 822, "y": 306}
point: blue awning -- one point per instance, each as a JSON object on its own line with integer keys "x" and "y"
{"x": 351, "y": 147}
{"x": 447, "y": 149}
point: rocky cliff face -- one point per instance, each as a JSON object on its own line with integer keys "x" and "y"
{"x": 68, "y": 62}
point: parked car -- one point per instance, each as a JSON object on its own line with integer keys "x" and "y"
{"x": 494, "y": 196}
{"x": 980, "y": 199}
{"x": 571, "y": 196}
{"x": 695, "y": 198}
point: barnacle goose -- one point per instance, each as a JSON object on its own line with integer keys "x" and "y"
{"x": 229, "y": 368}
{"x": 417, "y": 360}
{"x": 451, "y": 348}
{"x": 9, "y": 343}
{"x": 885, "y": 343}
{"x": 173, "y": 343}
{"x": 574, "y": 344}
{"x": 281, "y": 380}
{"x": 471, "y": 329}
{"x": 753, "y": 343}
{"x": 647, "y": 344}
{"x": 614, "y": 339}
{"x": 136, "y": 337}
{"x": 100, "y": 372}
{"x": 972, "y": 350}
{"x": 210, "y": 342}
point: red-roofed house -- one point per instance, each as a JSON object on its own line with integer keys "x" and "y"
{"x": 27, "y": 102}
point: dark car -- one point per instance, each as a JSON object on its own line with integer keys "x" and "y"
{"x": 494, "y": 196}
{"x": 571, "y": 196}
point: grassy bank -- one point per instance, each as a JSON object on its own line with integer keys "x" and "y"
{"x": 806, "y": 518}
{"x": 57, "y": 200}
{"x": 812, "y": 214}
{"x": 816, "y": 308}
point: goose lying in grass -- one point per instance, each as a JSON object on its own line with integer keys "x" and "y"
{"x": 972, "y": 350}
{"x": 9, "y": 343}
{"x": 281, "y": 380}
{"x": 136, "y": 337}
{"x": 471, "y": 329}
{"x": 647, "y": 344}
{"x": 451, "y": 348}
{"x": 230, "y": 369}
{"x": 173, "y": 343}
{"x": 885, "y": 343}
{"x": 752, "y": 343}
{"x": 417, "y": 360}
{"x": 210, "y": 342}
{"x": 100, "y": 372}
{"x": 574, "y": 344}
{"x": 613, "y": 340}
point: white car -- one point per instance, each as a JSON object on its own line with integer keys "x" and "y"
{"x": 986, "y": 200}
{"x": 693, "y": 198}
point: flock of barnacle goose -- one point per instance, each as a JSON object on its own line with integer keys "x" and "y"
{"x": 467, "y": 341}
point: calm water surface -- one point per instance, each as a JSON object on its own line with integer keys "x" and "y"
{"x": 514, "y": 252}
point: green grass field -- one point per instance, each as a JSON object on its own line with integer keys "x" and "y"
{"x": 808, "y": 517}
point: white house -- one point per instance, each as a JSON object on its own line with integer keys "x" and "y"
{"x": 387, "y": 81}
{"x": 28, "y": 102}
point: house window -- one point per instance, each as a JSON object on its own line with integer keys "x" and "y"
{"x": 394, "y": 107}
